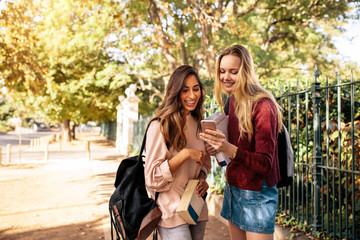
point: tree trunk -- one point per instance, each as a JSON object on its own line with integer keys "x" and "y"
{"x": 208, "y": 25}
{"x": 163, "y": 41}
{"x": 73, "y": 131}
{"x": 182, "y": 43}
{"x": 66, "y": 130}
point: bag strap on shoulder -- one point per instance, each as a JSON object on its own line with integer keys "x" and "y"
{"x": 226, "y": 105}
{"x": 144, "y": 140}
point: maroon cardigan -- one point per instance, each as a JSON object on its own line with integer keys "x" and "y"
{"x": 257, "y": 159}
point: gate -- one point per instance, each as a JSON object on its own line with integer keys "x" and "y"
{"x": 325, "y": 194}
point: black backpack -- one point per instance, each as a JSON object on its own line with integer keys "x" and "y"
{"x": 285, "y": 154}
{"x": 286, "y": 158}
{"x": 133, "y": 214}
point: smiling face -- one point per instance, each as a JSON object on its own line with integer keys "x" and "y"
{"x": 190, "y": 94}
{"x": 228, "y": 71}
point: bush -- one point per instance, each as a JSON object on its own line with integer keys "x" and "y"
{"x": 4, "y": 127}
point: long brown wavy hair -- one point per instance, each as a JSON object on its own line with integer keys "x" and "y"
{"x": 247, "y": 90}
{"x": 170, "y": 114}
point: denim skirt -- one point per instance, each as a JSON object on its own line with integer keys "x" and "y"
{"x": 251, "y": 211}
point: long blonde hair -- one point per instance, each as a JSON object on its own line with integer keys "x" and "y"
{"x": 247, "y": 90}
{"x": 172, "y": 120}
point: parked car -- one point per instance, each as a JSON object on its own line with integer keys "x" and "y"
{"x": 40, "y": 127}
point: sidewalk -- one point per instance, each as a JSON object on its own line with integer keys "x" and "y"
{"x": 67, "y": 196}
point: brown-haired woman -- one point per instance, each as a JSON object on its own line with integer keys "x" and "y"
{"x": 175, "y": 153}
{"x": 250, "y": 197}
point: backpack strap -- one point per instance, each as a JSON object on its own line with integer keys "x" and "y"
{"x": 143, "y": 147}
{"x": 144, "y": 140}
{"x": 112, "y": 222}
{"x": 155, "y": 234}
{"x": 227, "y": 104}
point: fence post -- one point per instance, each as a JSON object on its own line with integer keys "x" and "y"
{"x": 127, "y": 115}
{"x": 60, "y": 141}
{"x": 8, "y": 153}
{"x": 87, "y": 148}
{"x": 317, "y": 153}
{"x": 46, "y": 150}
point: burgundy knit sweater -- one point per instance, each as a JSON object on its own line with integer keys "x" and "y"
{"x": 257, "y": 159}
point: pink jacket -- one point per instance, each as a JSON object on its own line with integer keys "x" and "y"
{"x": 158, "y": 177}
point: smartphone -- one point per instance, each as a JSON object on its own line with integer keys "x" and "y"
{"x": 208, "y": 124}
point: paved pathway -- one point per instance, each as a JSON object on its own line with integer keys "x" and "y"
{"x": 67, "y": 196}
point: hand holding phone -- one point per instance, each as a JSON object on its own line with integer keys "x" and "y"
{"x": 208, "y": 124}
{"x": 218, "y": 123}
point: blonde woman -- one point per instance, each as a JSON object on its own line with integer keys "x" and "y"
{"x": 250, "y": 197}
{"x": 175, "y": 153}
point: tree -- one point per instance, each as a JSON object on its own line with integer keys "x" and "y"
{"x": 72, "y": 59}
{"x": 80, "y": 79}
{"x": 286, "y": 38}
{"x": 19, "y": 66}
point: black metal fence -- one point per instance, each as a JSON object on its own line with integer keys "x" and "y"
{"x": 139, "y": 131}
{"x": 325, "y": 194}
{"x": 109, "y": 130}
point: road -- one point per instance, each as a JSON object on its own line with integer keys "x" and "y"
{"x": 17, "y": 150}
{"x": 26, "y": 135}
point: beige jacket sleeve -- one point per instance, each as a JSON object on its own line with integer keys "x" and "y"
{"x": 157, "y": 170}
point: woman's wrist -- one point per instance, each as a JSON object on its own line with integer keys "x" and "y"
{"x": 231, "y": 150}
{"x": 184, "y": 154}
{"x": 234, "y": 152}
{"x": 202, "y": 174}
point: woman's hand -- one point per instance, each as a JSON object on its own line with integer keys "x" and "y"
{"x": 186, "y": 154}
{"x": 210, "y": 150}
{"x": 215, "y": 138}
{"x": 202, "y": 187}
{"x": 192, "y": 154}
{"x": 195, "y": 155}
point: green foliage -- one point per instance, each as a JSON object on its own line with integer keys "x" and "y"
{"x": 68, "y": 71}
{"x": 6, "y": 111}
{"x": 296, "y": 228}
{"x": 80, "y": 56}
{"x": 286, "y": 38}
{"x": 4, "y": 127}
{"x": 216, "y": 178}
{"x": 18, "y": 62}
